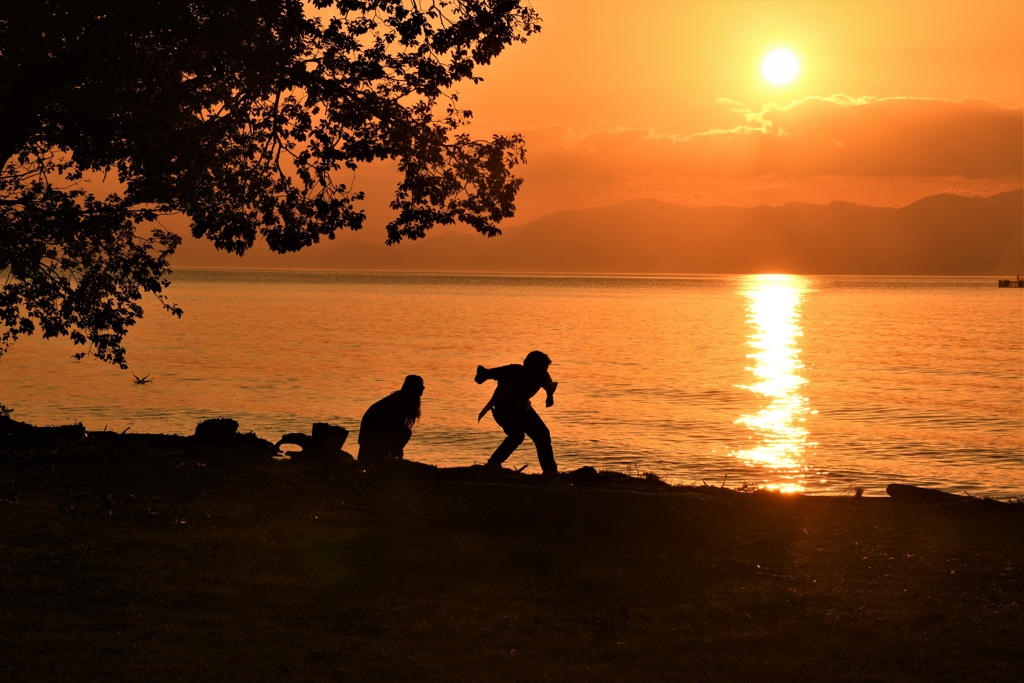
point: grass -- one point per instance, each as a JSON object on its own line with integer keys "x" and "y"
{"x": 156, "y": 558}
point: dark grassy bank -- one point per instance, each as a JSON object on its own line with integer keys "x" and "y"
{"x": 162, "y": 558}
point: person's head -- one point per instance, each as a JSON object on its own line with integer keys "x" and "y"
{"x": 536, "y": 362}
{"x": 413, "y": 384}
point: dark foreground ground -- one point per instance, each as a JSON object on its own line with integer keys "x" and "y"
{"x": 158, "y": 558}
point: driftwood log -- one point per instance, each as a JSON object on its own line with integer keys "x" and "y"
{"x": 23, "y": 435}
{"x": 326, "y": 442}
{"x": 921, "y": 495}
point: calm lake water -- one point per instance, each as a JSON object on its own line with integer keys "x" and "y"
{"x": 814, "y": 384}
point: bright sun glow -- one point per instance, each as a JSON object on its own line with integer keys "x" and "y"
{"x": 780, "y": 66}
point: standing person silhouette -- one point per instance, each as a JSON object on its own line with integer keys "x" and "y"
{"x": 510, "y": 405}
{"x": 387, "y": 425}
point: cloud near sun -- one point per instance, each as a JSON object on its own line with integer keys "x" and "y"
{"x": 812, "y": 137}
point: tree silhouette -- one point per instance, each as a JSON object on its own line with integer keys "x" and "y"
{"x": 247, "y": 116}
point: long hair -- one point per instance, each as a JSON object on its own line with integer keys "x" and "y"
{"x": 411, "y": 391}
{"x": 410, "y": 407}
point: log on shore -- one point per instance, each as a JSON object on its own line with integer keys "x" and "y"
{"x": 922, "y": 495}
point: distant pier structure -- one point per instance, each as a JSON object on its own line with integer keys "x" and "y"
{"x": 1018, "y": 283}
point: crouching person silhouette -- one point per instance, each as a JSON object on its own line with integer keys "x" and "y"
{"x": 386, "y": 426}
{"x": 510, "y": 405}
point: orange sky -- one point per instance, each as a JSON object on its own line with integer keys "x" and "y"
{"x": 895, "y": 100}
{"x": 664, "y": 99}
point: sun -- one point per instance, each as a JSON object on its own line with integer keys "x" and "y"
{"x": 780, "y": 66}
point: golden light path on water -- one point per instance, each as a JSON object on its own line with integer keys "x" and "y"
{"x": 781, "y": 437}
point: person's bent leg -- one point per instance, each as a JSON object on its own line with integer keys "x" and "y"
{"x": 506, "y": 448}
{"x": 371, "y": 451}
{"x": 514, "y": 435}
{"x": 399, "y": 440}
{"x": 541, "y": 437}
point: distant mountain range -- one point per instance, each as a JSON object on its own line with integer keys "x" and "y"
{"x": 939, "y": 235}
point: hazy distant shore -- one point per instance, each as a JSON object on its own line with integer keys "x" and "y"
{"x": 938, "y": 235}
{"x": 160, "y": 558}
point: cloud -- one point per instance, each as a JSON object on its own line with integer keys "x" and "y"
{"x": 813, "y": 137}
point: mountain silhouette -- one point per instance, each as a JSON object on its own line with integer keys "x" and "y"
{"x": 938, "y": 235}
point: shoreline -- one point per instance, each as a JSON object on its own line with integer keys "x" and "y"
{"x": 169, "y": 558}
{"x": 225, "y": 432}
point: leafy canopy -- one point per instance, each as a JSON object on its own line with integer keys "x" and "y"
{"x": 246, "y": 116}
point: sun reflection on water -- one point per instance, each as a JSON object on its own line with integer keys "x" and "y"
{"x": 780, "y": 434}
